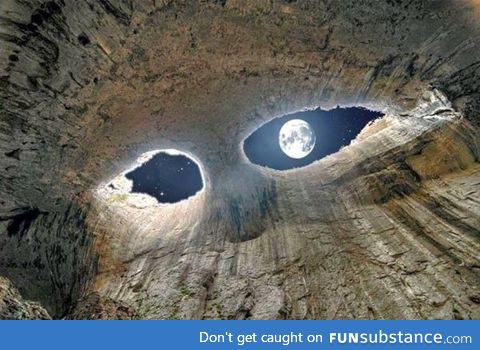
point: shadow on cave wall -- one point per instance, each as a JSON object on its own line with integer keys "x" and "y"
{"x": 47, "y": 256}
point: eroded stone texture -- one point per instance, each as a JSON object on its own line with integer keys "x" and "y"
{"x": 48, "y": 255}
{"x": 385, "y": 228}
{"x": 14, "y": 307}
{"x": 95, "y": 307}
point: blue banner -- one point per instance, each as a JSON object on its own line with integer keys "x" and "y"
{"x": 224, "y": 335}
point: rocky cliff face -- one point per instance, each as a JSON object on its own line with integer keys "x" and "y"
{"x": 388, "y": 227}
{"x": 14, "y": 307}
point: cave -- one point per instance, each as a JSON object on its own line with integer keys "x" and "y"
{"x": 386, "y": 226}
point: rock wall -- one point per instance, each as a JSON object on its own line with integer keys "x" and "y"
{"x": 13, "y": 307}
{"x": 385, "y": 228}
{"x": 48, "y": 256}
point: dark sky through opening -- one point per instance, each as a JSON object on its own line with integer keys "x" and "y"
{"x": 333, "y": 129}
{"x": 168, "y": 178}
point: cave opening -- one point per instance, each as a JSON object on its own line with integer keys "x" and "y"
{"x": 324, "y": 133}
{"x": 169, "y": 177}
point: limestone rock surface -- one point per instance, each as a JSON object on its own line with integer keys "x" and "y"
{"x": 14, "y": 307}
{"x": 95, "y": 307}
{"x": 388, "y": 227}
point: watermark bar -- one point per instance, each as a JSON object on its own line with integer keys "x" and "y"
{"x": 224, "y": 335}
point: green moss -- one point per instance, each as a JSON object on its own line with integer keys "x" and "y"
{"x": 150, "y": 76}
{"x": 173, "y": 316}
{"x": 137, "y": 54}
{"x": 140, "y": 303}
{"x": 185, "y": 292}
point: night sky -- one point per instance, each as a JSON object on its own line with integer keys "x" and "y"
{"x": 171, "y": 178}
{"x": 168, "y": 178}
{"x": 333, "y": 129}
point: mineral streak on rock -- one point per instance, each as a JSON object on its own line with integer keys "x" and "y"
{"x": 388, "y": 227}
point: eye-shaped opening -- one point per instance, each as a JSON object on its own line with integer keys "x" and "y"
{"x": 169, "y": 176}
{"x": 298, "y": 139}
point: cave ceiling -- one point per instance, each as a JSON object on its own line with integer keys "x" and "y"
{"x": 387, "y": 227}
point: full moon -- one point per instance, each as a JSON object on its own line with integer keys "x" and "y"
{"x": 296, "y": 138}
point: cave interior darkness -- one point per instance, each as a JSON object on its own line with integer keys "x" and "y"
{"x": 104, "y": 102}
